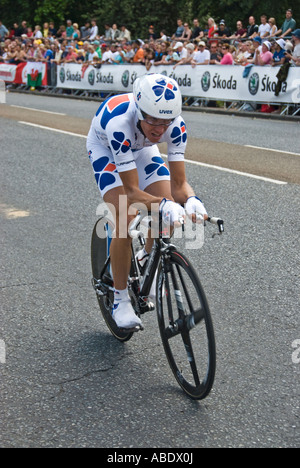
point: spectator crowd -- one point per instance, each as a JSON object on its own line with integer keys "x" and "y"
{"x": 263, "y": 44}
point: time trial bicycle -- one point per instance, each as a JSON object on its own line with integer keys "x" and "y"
{"x": 184, "y": 318}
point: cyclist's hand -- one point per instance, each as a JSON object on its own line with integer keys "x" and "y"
{"x": 195, "y": 209}
{"x": 172, "y": 213}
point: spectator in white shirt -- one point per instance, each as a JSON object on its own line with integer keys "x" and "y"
{"x": 273, "y": 27}
{"x": 94, "y": 30}
{"x": 264, "y": 28}
{"x": 37, "y": 34}
{"x": 294, "y": 55}
{"x": 108, "y": 54}
{"x": 243, "y": 53}
{"x": 188, "y": 59}
{"x": 181, "y": 51}
{"x": 202, "y": 56}
{"x": 124, "y": 34}
{"x": 91, "y": 54}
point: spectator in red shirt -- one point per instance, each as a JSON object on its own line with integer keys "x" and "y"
{"x": 240, "y": 32}
{"x": 71, "y": 57}
{"x": 212, "y": 28}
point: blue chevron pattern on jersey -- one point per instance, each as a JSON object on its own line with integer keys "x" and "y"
{"x": 112, "y": 107}
{"x": 178, "y": 134}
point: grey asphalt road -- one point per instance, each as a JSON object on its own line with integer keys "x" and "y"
{"x": 225, "y": 129}
{"x": 66, "y": 382}
{"x": 260, "y": 147}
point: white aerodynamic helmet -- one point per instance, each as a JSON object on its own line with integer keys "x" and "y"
{"x": 157, "y": 96}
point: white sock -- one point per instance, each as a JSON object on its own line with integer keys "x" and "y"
{"x": 121, "y": 295}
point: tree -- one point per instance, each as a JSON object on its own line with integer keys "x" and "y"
{"x": 52, "y": 10}
{"x": 232, "y": 10}
{"x": 17, "y": 11}
{"x": 138, "y": 15}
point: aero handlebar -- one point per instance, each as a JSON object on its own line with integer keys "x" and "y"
{"x": 134, "y": 232}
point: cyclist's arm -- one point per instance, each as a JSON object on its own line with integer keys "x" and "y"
{"x": 181, "y": 189}
{"x": 136, "y": 196}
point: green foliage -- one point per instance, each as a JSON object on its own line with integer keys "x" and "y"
{"x": 138, "y": 15}
{"x": 51, "y": 10}
{"x": 16, "y": 11}
{"x": 232, "y": 10}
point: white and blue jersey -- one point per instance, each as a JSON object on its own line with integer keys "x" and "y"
{"x": 115, "y": 143}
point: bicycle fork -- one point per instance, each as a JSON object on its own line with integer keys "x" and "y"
{"x": 186, "y": 321}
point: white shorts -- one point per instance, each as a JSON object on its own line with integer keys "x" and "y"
{"x": 150, "y": 166}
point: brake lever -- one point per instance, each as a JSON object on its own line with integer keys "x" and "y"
{"x": 218, "y": 222}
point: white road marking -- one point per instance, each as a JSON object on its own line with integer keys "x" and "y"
{"x": 38, "y": 110}
{"x": 52, "y": 129}
{"x": 10, "y": 212}
{"x": 271, "y": 149}
{"x": 219, "y": 168}
{"x": 232, "y": 171}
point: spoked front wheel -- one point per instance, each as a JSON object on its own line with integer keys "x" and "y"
{"x": 186, "y": 326}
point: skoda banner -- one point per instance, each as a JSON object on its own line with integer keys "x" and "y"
{"x": 216, "y": 82}
{"x": 212, "y": 82}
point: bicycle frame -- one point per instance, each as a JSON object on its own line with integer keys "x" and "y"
{"x": 159, "y": 249}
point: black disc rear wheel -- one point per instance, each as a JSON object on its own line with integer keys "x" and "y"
{"x": 99, "y": 252}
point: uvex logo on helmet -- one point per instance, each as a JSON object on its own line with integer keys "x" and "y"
{"x": 162, "y": 111}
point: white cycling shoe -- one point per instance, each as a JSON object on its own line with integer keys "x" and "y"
{"x": 124, "y": 315}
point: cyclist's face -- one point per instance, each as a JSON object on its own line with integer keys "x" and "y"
{"x": 154, "y": 128}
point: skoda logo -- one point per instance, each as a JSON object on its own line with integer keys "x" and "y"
{"x": 91, "y": 77}
{"x": 62, "y": 75}
{"x": 125, "y": 78}
{"x": 253, "y": 84}
{"x": 205, "y": 81}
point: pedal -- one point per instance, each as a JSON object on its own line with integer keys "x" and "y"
{"x": 99, "y": 287}
{"x": 145, "y": 305}
{"x": 132, "y": 330}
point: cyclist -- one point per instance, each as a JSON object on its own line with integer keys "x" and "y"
{"x": 122, "y": 147}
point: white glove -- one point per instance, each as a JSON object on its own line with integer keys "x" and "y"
{"x": 171, "y": 212}
{"x": 194, "y": 206}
